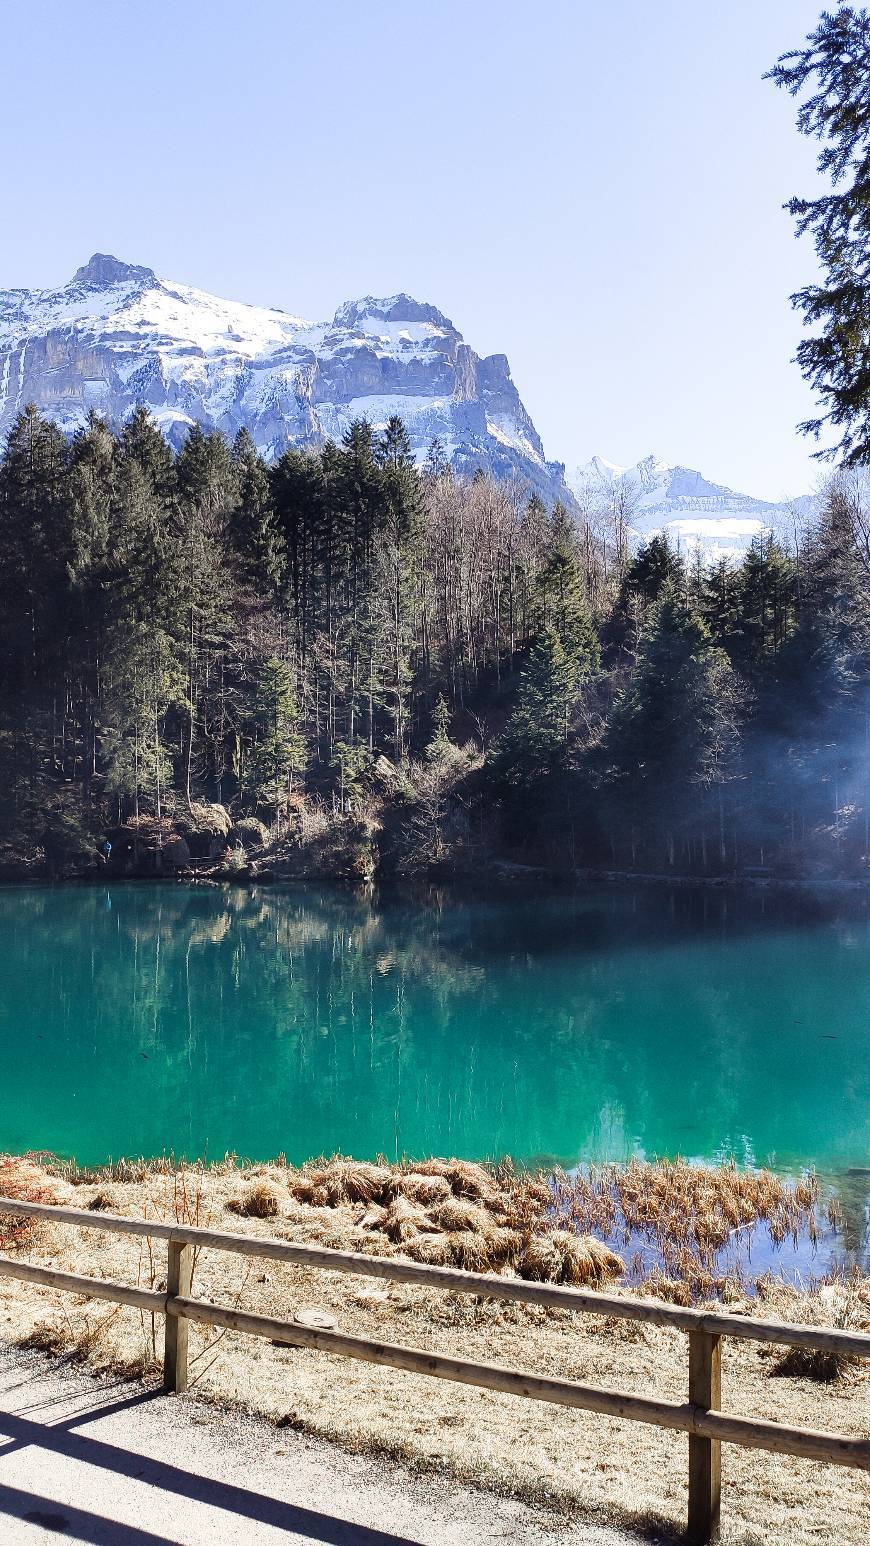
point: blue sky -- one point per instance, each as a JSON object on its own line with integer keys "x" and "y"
{"x": 593, "y": 190}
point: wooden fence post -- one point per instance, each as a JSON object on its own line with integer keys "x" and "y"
{"x": 705, "y": 1455}
{"x": 178, "y": 1279}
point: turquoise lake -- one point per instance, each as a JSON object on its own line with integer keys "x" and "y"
{"x": 149, "y": 1019}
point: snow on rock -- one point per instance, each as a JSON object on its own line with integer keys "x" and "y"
{"x": 118, "y": 335}
{"x": 694, "y": 513}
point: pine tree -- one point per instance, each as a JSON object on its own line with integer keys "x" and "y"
{"x": 36, "y": 538}
{"x": 672, "y": 732}
{"x": 360, "y": 491}
{"x": 142, "y": 443}
{"x": 561, "y": 592}
{"x": 400, "y": 561}
{"x": 206, "y": 483}
{"x": 144, "y": 682}
{"x": 91, "y": 484}
{"x": 719, "y": 603}
{"x": 835, "y": 65}
{"x": 655, "y": 567}
{"x": 437, "y": 465}
{"x": 253, "y": 529}
{"x": 765, "y": 604}
{"x": 279, "y": 750}
{"x": 440, "y": 744}
{"x": 536, "y": 734}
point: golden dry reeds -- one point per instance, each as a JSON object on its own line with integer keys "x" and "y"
{"x": 687, "y": 1213}
{"x": 465, "y": 1178}
{"x": 341, "y": 1181}
{"x": 20, "y": 1178}
{"x": 563, "y": 1257}
{"x": 456, "y": 1213}
{"x": 403, "y": 1220}
{"x": 450, "y": 1213}
{"x": 423, "y": 1189}
{"x": 431, "y": 1250}
{"x": 679, "y": 1220}
{"x": 260, "y": 1201}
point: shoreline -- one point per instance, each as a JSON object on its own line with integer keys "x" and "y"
{"x": 575, "y": 1462}
{"x": 680, "y": 1228}
{"x": 502, "y": 879}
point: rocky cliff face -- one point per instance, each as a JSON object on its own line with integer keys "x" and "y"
{"x": 116, "y": 335}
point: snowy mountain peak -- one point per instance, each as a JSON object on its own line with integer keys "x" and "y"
{"x": 102, "y": 271}
{"x": 117, "y": 335}
{"x": 679, "y": 501}
{"x": 394, "y": 308}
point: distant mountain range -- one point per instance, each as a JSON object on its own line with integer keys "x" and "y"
{"x": 660, "y": 497}
{"x": 117, "y": 335}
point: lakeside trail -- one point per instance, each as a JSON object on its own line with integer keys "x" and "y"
{"x": 575, "y": 1467}
{"x": 117, "y": 1463}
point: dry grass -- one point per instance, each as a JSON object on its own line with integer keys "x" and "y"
{"x": 340, "y": 1182}
{"x": 563, "y": 1257}
{"x": 458, "y": 1214}
{"x": 688, "y": 1213}
{"x": 571, "y": 1460}
{"x": 426, "y": 1190}
{"x": 846, "y": 1306}
{"x": 21, "y": 1178}
{"x": 260, "y": 1201}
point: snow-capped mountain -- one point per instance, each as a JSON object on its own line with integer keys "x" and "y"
{"x": 116, "y": 335}
{"x": 658, "y": 497}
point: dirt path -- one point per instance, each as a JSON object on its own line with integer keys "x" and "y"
{"x": 115, "y": 1463}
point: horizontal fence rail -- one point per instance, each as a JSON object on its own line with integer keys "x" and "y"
{"x": 700, "y": 1417}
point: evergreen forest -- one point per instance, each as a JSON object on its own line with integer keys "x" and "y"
{"x": 437, "y": 673}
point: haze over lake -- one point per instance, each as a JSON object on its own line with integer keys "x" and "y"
{"x": 150, "y": 1019}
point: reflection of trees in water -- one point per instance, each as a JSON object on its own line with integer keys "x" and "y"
{"x": 310, "y": 1020}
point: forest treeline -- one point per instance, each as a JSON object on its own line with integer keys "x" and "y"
{"x": 444, "y": 658}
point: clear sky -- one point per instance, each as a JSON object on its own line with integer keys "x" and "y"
{"x": 594, "y": 190}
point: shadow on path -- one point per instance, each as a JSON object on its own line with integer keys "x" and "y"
{"x": 74, "y": 1524}
{"x": 62, "y": 1439}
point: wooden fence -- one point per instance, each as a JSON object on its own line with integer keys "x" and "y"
{"x": 700, "y": 1416}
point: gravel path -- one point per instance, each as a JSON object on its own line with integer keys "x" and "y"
{"x": 116, "y": 1463}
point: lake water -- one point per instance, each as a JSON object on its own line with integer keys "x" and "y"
{"x": 148, "y": 1019}
{"x": 158, "y": 1019}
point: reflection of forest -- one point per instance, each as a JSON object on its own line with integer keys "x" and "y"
{"x": 151, "y": 1018}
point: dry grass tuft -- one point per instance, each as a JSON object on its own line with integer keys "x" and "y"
{"x": 403, "y": 1220}
{"x": 504, "y": 1246}
{"x": 260, "y": 1201}
{"x": 431, "y": 1250}
{"x": 563, "y": 1257}
{"x": 422, "y": 1189}
{"x": 469, "y": 1250}
{"x": 342, "y": 1181}
{"x": 456, "y": 1213}
{"x": 464, "y": 1178}
{"x": 845, "y": 1305}
{"x": 372, "y": 1217}
{"x": 19, "y": 1178}
{"x": 102, "y": 1202}
{"x": 813, "y": 1363}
